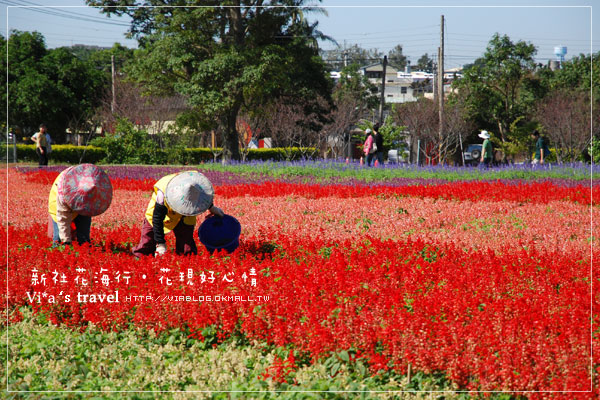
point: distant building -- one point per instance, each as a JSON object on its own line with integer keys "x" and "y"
{"x": 420, "y": 76}
{"x": 397, "y": 86}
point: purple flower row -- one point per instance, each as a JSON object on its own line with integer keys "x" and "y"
{"x": 219, "y": 178}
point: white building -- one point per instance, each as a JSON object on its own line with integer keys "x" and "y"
{"x": 397, "y": 85}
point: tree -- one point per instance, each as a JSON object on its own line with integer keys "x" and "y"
{"x": 425, "y": 63}
{"x": 289, "y": 126}
{"x": 353, "y": 84}
{"x": 575, "y": 74}
{"x": 421, "y": 119}
{"x": 145, "y": 112}
{"x": 101, "y": 58}
{"x": 565, "y": 118}
{"x": 456, "y": 129}
{"x": 396, "y": 59}
{"x": 353, "y": 96}
{"x": 225, "y": 56}
{"x": 50, "y": 86}
{"x": 495, "y": 85}
{"x": 343, "y": 56}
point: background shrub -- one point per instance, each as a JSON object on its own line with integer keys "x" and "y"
{"x": 61, "y": 153}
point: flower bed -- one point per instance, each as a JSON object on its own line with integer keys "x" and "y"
{"x": 487, "y": 282}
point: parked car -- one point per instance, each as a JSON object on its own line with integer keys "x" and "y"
{"x": 472, "y": 154}
{"x": 396, "y": 156}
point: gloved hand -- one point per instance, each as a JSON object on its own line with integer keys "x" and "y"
{"x": 216, "y": 211}
{"x": 161, "y": 249}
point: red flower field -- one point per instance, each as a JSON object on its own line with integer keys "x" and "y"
{"x": 489, "y": 283}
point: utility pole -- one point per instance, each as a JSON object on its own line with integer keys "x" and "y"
{"x": 441, "y": 90}
{"x": 434, "y": 84}
{"x": 382, "y": 91}
{"x": 112, "y": 67}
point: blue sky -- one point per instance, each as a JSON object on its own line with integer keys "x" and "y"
{"x": 380, "y": 24}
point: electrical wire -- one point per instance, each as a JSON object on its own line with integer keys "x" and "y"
{"x": 53, "y": 11}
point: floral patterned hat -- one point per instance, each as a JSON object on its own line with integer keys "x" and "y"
{"x": 189, "y": 193}
{"x": 86, "y": 189}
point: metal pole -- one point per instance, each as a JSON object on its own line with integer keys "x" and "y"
{"x": 382, "y": 91}
{"x": 441, "y": 90}
{"x": 349, "y": 145}
{"x": 112, "y": 67}
{"x": 462, "y": 154}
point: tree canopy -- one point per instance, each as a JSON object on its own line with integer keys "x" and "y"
{"x": 425, "y": 63}
{"x": 495, "y": 86}
{"x": 396, "y": 58}
{"x": 50, "y": 86}
{"x": 225, "y": 56}
{"x": 343, "y": 56}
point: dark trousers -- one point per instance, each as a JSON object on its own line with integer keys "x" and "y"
{"x": 42, "y": 158}
{"x": 82, "y": 229}
{"x": 184, "y": 240}
{"x": 370, "y": 158}
{"x": 487, "y": 162}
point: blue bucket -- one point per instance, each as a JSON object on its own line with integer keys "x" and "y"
{"x": 217, "y": 233}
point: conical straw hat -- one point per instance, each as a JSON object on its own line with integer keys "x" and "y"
{"x": 189, "y": 193}
{"x": 86, "y": 189}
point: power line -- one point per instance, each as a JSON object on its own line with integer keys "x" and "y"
{"x": 385, "y": 32}
{"x": 60, "y": 13}
{"x": 525, "y": 38}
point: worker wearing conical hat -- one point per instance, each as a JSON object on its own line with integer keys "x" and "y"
{"x": 78, "y": 194}
{"x": 176, "y": 201}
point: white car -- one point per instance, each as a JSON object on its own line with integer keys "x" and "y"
{"x": 396, "y": 156}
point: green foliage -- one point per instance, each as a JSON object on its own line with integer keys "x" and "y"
{"x": 325, "y": 171}
{"x": 130, "y": 145}
{"x": 101, "y": 57}
{"x": 575, "y": 74}
{"x": 351, "y": 55}
{"x": 393, "y": 135}
{"x": 594, "y": 150}
{"x": 519, "y": 141}
{"x": 48, "y": 85}
{"x": 353, "y": 84}
{"x": 69, "y": 154}
{"x": 61, "y": 153}
{"x": 396, "y": 58}
{"x": 425, "y": 63}
{"x": 60, "y": 359}
{"x": 223, "y": 59}
{"x": 495, "y": 86}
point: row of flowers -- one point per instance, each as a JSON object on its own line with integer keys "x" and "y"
{"x": 554, "y": 226}
{"x": 515, "y": 321}
{"x": 537, "y": 192}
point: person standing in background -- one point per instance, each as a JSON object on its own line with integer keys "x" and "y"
{"x": 368, "y": 148}
{"x": 378, "y": 138}
{"x": 41, "y": 145}
{"x": 541, "y": 148}
{"x": 486, "y": 150}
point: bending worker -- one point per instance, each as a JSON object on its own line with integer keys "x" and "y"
{"x": 176, "y": 201}
{"x": 78, "y": 194}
